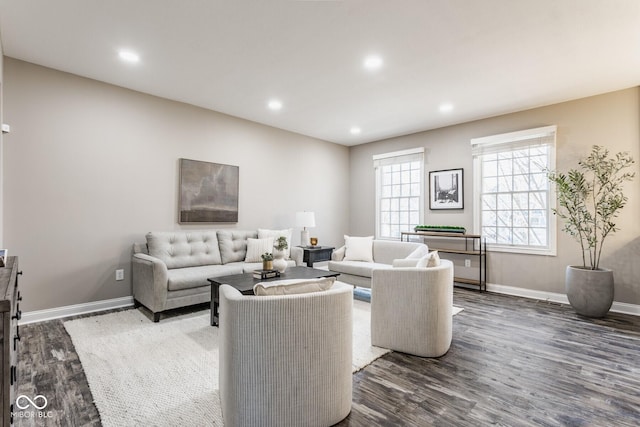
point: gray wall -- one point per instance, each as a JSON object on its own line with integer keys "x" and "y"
{"x": 1, "y": 142}
{"x": 89, "y": 168}
{"x": 611, "y": 119}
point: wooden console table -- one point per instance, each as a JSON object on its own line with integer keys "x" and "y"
{"x": 474, "y": 245}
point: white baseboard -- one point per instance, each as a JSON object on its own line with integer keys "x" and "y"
{"x": 617, "y": 307}
{"x": 91, "y": 307}
{"x": 74, "y": 310}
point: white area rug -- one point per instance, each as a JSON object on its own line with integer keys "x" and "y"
{"x": 166, "y": 374}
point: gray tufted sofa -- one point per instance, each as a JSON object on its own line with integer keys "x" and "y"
{"x": 171, "y": 269}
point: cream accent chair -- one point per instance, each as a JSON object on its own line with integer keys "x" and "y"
{"x": 411, "y": 309}
{"x": 285, "y": 360}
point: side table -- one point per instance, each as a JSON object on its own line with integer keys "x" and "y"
{"x": 316, "y": 254}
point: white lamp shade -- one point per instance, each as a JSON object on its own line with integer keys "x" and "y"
{"x": 305, "y": 219}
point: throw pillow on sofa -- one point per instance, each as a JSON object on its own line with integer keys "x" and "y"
{"x": 257, "y": 247}
{"x": 358, "y": 248}
{"x": 432, "y": 259}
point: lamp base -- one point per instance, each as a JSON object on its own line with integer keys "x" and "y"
{"x": 304, "y": 238}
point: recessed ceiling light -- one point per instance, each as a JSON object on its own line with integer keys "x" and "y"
{"x": 355, "y": 130}
{"x": 129, "y": 56}
{"x": 274, "y": 105}
{"x": 372, "y": 62}
{"x": 445, "y": 108}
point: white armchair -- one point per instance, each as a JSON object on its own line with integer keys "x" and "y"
{"x": 285, "y": 360}
{"x": 411, "y": 309}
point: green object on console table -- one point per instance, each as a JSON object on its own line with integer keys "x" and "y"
{"x": 440, "y": 229}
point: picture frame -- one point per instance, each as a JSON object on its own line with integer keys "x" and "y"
{"x": 208, "y": 192}
{"x": 446, "y": 189}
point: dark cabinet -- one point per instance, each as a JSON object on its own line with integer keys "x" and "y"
{"x": 9, "y": 336}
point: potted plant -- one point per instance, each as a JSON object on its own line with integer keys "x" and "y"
{"x": 279, "y": 263}
{"x": 267, "y": 261}
{"x": 589, "y": 200}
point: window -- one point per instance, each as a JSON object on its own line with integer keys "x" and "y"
{"x": 512, "y": 196}
{"x": 399, "y": 190}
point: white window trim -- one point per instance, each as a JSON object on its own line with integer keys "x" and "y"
{"x": 495, "y": 140}
{"x": 379, "y": 157}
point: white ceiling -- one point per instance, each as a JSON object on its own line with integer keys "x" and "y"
{"x": 486, "y": 57}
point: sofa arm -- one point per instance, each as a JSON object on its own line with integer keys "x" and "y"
{"x": 149, "y": 281}
{"x": 338, "y": 254}
{"x": 297, "y": 254}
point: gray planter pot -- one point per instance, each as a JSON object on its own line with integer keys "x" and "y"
{"x": 590, "y": 292}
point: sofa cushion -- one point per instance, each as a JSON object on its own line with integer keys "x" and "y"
{"x": 193, "y": 277}
{"x": 293, "y": 286}
{"x": 385, "y": 251}
{"x": 263, "y": 233}
{"x": 358, "y": 248}
{"x": 233, "y": 244}
{"x": 405, "y": 262}
{"x": 180, "y": 249}
{"x": 356, "y": 268}
{"x": 257, "y": 247}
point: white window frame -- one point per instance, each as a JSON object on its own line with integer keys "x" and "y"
{"x": 507, "y": 142}
{"x": 397, "y": 157}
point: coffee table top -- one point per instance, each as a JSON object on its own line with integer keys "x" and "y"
{"x": 245, "y": 282}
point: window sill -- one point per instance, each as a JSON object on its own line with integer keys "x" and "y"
{"x": 518, "y": 250}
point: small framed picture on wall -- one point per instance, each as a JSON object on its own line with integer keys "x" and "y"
{"x": 446, "y": 189}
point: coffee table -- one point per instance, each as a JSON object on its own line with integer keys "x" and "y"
{"x": 245, "y": 282}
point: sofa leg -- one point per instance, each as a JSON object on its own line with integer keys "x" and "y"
{"x": 156, "y": 317}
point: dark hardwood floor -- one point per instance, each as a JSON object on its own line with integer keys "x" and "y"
{"x": 513, "y": 362}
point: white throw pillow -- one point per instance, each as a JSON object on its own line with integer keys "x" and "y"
{"x": 419, "y": 252}
{"x": 293, "y": 286}
{"x": 432, "y": 259}
{"x": 264, "y": 233}
{"x": 358, "y": 248}
{"x": 256, "y": 247}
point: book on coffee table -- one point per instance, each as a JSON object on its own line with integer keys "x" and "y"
{"x": 265, "y": 274}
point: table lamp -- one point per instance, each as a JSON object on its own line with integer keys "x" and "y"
{"x": 304, "y": 220}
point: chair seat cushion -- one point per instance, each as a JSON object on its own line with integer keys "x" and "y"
{"x": 356, "y": 268}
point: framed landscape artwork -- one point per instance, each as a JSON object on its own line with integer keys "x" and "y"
{"x": 446, "y": 189}
{"x": 208, "y": 192}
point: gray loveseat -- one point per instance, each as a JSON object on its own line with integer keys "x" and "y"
{"x": 358, "y": 273}
{"x": 171, "y": 269}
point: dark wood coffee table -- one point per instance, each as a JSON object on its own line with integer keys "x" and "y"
{"x": 245, "y": 282}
